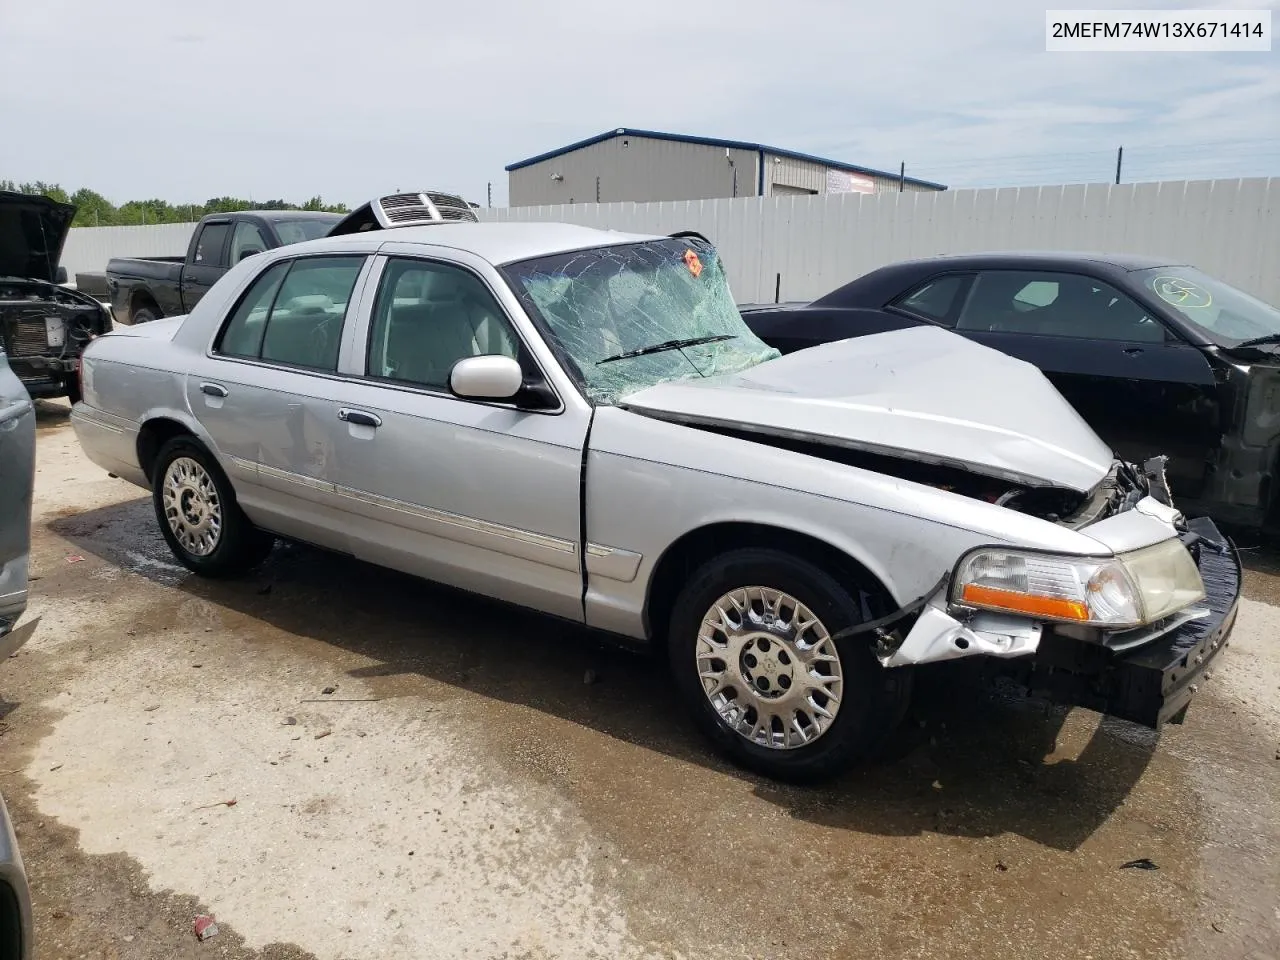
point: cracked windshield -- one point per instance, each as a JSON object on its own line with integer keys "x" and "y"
{"x": 631, "y": 316}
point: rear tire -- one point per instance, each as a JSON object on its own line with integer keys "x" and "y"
{"x": 73, "y": 393}
{"x": 196, "y": 507}
{"x": 766, "y": 684}
{"x": 145, "y": 314}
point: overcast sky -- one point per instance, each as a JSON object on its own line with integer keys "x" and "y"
{"x": 281, "y": 98}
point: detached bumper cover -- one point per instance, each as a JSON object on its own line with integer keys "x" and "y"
{"x": 1150, "y": 683}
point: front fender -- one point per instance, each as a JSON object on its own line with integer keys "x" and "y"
{"x": 651, "y": 482}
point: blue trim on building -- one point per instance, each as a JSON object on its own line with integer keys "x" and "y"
{"x": 760, "y": 148}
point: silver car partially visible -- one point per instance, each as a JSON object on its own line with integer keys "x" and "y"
{"x": 17, "y": 474}
{"x": 17, "y": 477}
{"x": 580, "y": 422}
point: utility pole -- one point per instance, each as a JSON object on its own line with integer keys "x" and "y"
{"x": 902, "y": 177}
{"x": 490, "y": 193}
{"x": 1119, "y": 161}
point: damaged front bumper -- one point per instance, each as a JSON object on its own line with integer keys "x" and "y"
{"x": 1147, "y": 675}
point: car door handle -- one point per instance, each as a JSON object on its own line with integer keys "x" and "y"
{"x": 213, "y": 389}
{"x": 361, "y": 417}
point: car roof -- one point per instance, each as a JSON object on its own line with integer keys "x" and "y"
{"x": 497, "y": 242}
{"x": 1045, "y": 258}
{"x": 286, "y": 214}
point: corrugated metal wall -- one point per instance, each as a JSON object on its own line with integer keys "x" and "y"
{"x": 89, "y": 248}
{"x": 1229, "y": 228}
{"x": 638, "y": 169}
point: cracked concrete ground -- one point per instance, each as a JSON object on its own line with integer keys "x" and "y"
{"x": 462, "y": 792}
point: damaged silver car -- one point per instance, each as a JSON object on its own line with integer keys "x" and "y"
{"x": 579, "y": 422}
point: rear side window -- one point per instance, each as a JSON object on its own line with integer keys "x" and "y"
{"x": 293, "y": 313}
{"x": 935, "y": 299}
{"x": 213, "y": 238}
{"x": 242, "y": 336}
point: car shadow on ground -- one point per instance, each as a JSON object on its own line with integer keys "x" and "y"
{"x": 51, "y": 413}
{"x": 968, "y": 761}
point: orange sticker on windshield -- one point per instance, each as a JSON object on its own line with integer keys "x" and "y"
{"x": 692, "y": 262}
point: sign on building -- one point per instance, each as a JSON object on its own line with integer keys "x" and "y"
{"x": 841, "y": 181}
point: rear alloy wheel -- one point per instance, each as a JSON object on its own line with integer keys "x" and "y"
{"x": 753, "y": 652}
{"x": 198, "y": 514}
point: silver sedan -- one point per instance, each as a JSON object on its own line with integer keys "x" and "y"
{"x": 579, "y": 422}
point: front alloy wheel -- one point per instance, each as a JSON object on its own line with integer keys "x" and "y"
{"x": 769, "y": 668}
{"x": 755, "y": 650}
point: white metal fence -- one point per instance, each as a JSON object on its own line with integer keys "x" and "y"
{"x": 809, "y": 245}
{"x": 1228, "y": 228}
{"x": 89, "y": 248}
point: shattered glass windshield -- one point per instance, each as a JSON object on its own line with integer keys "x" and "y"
{"x": 623, "y": 317}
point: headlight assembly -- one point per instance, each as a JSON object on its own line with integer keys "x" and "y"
{"x": 1127, "y": 590}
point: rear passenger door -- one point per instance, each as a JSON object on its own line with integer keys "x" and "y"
{"x": 207, "y": 261}
{"x": 1143, "y": 389}
{"x": 262, "y": 392}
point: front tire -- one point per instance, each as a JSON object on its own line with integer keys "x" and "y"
{"x": 752, "y": 649}
{"x": 198, "y": 514}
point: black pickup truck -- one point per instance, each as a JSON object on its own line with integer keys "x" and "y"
{"x": 147, "y": 288}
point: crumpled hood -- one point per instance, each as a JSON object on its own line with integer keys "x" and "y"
{"x": 922, "y": 393}
{"x": 33, "y": 230}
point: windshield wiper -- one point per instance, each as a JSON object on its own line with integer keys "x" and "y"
{"x": 669, "y": 345}
{"x": 1258, "y": 341}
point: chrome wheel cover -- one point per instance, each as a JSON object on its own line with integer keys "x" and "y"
{"x": 192, "y": 507}
{"x": 769, "y": 668}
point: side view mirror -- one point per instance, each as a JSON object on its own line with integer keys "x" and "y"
{"x": 486, "y": 378}
{"x": 60, "y": 275}
{"x": 248, "y": 252}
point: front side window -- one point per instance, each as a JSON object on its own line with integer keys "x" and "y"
{"x": 629, "y": 316}
{"x": 209, "y": 247}
{"x": 1051, "y": 304}
{"x": 293, "y": 313}
{"x": 427, "y": 317}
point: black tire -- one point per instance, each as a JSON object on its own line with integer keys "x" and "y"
{"x": 145, "y": 314}
{"x": 239, "y": 546}
{"x": 874, "y": 699}
{"x": 73, "y": 392}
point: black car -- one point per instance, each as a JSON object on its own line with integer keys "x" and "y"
{"x": 1158, "y": 357}
{"x": 44, "y": 326}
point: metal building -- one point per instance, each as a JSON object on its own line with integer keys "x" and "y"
{"x": 646, "y": 166}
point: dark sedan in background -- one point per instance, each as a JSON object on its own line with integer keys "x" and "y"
{"x": 1159, "y": 358}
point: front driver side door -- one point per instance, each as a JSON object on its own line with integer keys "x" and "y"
{"x": 481, "y": 495}
{"x": 1143, "y": 389}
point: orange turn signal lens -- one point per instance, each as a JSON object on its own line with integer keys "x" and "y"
{"x": 1025, "y": 603}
